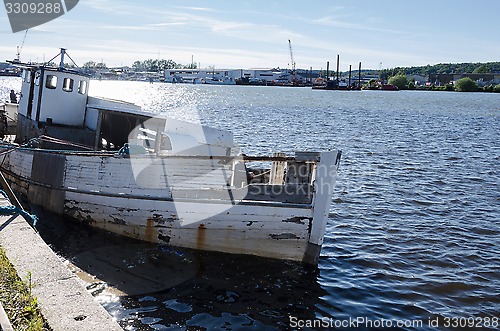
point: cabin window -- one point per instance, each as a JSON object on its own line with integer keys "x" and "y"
{"x": 165, "y": 143}
{"x": 27, "y": 76}
{"x": 37, "y": 78}
{"x": 68, "y": 85}
{"x": 82, "y": 87}
{"x": 51, "y": 82}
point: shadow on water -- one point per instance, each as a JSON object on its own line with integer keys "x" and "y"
{"x": 152, "y": 287}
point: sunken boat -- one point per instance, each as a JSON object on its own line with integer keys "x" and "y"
{"x": 116, "y": 167}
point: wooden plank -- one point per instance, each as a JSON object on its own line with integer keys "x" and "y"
{"x": 277, "y": 175}
{"x": 185, "y": 212}
{"x": 118, "y": 173}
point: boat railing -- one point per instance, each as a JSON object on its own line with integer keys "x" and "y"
{"x": 279, "y": 178}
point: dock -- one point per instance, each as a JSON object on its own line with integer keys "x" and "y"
{"x": 62, "y": 297}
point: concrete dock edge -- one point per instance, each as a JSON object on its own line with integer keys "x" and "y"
{"x": 4, "y": 320}
{"x": 64, "y": 301}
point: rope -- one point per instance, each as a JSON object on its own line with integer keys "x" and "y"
{"x": 63, "y": 142}
{"x": 10, "y": 150}
{"x": 12, "y": 210}
{"x": 124, "y": 152}
{"x": 262, "y": 174}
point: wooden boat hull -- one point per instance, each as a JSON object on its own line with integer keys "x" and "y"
{"x": 276, "y": 221}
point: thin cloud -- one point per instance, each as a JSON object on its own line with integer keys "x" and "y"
{"x": 167, "y": 24}
{"x": 334, "y": 22}
{"x": 128, "y": 27}
{"x": 204, "y": 9}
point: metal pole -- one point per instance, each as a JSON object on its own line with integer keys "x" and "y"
{"x": 359, "y": 75}
{"x": 10, "y": 194}
{"x": 338, "y": 64}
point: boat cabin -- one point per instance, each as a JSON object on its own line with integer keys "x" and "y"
{"x": 56, "y": 109}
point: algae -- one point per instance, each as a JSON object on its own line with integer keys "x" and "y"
{"x": 17, "y": 300}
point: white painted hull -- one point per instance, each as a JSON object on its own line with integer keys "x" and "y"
{"x": 102, "y": 191}
{"x": 172, "y": 182}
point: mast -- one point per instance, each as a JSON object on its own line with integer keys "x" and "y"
{"x": 61, "y": 64}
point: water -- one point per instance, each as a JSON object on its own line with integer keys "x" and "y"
{"x": 413, "y": 233}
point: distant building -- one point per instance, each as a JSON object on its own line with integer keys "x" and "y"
{"x": 419, "y": 79}
{"x": 6, "y": 69}
{"x": 480, "y": 79}
{"x": 265, "y": 74}
{"x": 192, "y": 75}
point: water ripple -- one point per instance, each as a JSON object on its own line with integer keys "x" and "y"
{"x": 414, "y": 224}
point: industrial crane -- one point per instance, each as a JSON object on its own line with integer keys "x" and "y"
{"x": 291, "y": 59}
{"x": 19, "y": 49}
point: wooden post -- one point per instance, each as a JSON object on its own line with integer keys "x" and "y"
{"x": 277, "y": 175}
{"x": 350, "y": 68}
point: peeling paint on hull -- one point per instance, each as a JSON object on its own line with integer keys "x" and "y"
{"x": 220, "y": 233}
{"x": 101, "y": 191}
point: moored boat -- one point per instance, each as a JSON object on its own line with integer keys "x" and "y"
{"x": 114, "y": 166}
{"x": 220, "y": 81}
{"x": 8, "y": 118}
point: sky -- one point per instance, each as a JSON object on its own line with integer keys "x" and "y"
{"x": 236, "y": 34}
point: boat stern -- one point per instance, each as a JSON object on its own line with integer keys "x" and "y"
{"x": 324, "y": 183}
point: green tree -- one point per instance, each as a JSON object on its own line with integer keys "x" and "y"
{"x": 496, "y": 88}
{"x": 466, "y": 85}
{"x": 138, "y": 66}
{"x": 482, "y": 69}
{"x": 151, "y": 65}
{"x": 94, "y": 65}
{"x": 400, "y": 80}
{"x": 372, "y": 84}
{"x": 89, "y": 65}
{"x": 383, "y": 74}
{"x": 101, "y": 65}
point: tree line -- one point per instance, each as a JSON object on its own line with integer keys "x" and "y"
{"x": 442, "y": 68}
{"x": 149, "y": 65}
{"x": 464, "y": 84}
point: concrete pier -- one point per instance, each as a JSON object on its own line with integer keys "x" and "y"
{"x": 64, "y": 301}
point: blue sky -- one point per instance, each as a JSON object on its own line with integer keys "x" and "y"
{"x": 255, "y": 33}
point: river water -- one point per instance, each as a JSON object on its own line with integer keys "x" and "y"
{"x": 413, "y": 236}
